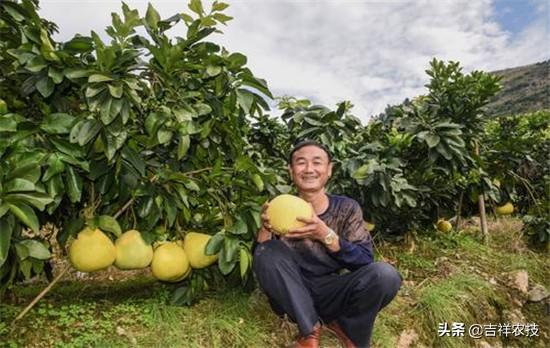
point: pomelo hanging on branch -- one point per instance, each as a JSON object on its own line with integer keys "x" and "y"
{"x": 283, "y": 211}
{"x": 194, "y": 247}
{"x": 170, "y": 263}
{"x": 132, "y": 252}
{"x": 92, "y": 251}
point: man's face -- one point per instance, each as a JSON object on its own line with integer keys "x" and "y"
{"x": 310, "y": 168}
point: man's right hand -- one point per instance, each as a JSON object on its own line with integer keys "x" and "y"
{"x": 265, "y": 232}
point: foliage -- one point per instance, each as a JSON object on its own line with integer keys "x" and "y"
{"x": 516, "y": 152}
{"x": 170, "y": 134}
{"x": 146, "y": 132}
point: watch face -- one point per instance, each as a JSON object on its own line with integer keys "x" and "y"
{"x": 330, "y": 238}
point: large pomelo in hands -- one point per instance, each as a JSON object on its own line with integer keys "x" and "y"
{"x": 170, "y": 263}
{"x": 92, "y": 251}
{"x": 283, "y": 211}
{"x": 194, "y": 247}
{"x": 132, "y": 252}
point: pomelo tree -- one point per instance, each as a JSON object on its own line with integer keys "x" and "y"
{"x": 144, "y": 132}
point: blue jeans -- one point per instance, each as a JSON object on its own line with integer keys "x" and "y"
{"x": 352, "y": 299}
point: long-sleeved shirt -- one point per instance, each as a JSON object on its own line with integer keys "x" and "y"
{"x": 344, "y": 215}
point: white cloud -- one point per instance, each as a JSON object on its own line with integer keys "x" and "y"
{"x": 373, "y": 53}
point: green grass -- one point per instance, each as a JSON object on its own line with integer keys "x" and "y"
{"x": 460, "y": 299}
{"x": 135, "y": 312}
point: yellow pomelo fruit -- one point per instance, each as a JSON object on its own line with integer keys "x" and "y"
{"x": 369, "y": 226}
{"x": 444, "y": 225}
{"x": 92, "y": 251}
{"x": 3, "y": 107}
{"x": 132, "y": 252}
{"x": 170, "y": 263}
{"x": 283, "y": 211}
{"x": 505, "y": 209}
{"x": 194, "y": 246}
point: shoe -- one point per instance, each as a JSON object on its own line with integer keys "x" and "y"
{"x": 335, "y": 328}
{"x": 311, "y": 340}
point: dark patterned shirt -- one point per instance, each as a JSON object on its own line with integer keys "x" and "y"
{"x": 345, "y": 217}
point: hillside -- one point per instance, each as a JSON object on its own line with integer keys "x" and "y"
{"x": 525, "y": 89}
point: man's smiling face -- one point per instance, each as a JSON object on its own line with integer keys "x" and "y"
{"x": 310, "y": 168}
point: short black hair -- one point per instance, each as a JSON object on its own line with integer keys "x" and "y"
{"x": 304, "y": 143}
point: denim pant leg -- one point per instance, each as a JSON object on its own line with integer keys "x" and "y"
{"x": 280, "y": 278}
{"x": 354, "y": 299}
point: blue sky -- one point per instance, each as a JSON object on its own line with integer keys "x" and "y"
{"x": 515, "y": 15}
{"x": 373, "y": 53}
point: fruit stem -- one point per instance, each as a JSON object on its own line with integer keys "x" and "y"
{"x": 124, "y": 207}
{"x": 42, "y": 294}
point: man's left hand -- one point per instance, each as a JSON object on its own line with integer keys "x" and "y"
{"x": 315, "y": 229}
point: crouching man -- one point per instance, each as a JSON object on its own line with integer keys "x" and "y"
{"x": 300, "y": 272}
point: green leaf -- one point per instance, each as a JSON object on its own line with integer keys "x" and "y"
{"x": 6, "y": 231}
{"x": 215, "y": 244}
{"x": 79, "y": 44}
{"x": 202, "y": 109}
{"x": 45, "y": 86}
{"x": 99, "y": 78}
{"x": 3, "y": 209}
{"x": 213, "y": 70}
{"x": 25, "y": 214}
{"x": 245, "y": 100}
{"x": 19, "y": 185}
{"x": 432, "y": 140}
{"x": 57, "y": 123}
{"x": 115, "y": 90}
{"x": 164, "y": 136}
{"x": 191, "y": 185}
{"x": 226, "y": 266}
{"x": 93, "y": 91}
{"x": 220, "y": 17}
{"x": 236, "y": 60}
{"x": 114, "y": 143}
{"x": 56, "y": 75}
{"x": 25, "y": 267}
{"x": 244, "y": 258}
{"x": 30, "y": 172}
{"x": 73, "y": 226}
{"x": 183, "y": 146}
{"x": 67, "y": 148}
{"x": 152, "y": 17}
{"x": 36, "y": 64}
{"x": 109, "y": 223}
{"x": 239, "y": 227}
{"x": 134, "y": 158}
{"x": 196, "y": 6}
{"x": 38, "y": 199}
{"x": 55, "y": 166}
{"x": 76, "y": 73}
{"x": 73, "y": 184}
{"x": 88, "y": 131}
{"x": 8, "y": 123}
{"x": 219, "y": 6}
{"x": 106, "y": 115}
{"x": 36, "y": 249}
{"x": 257, "y": 179}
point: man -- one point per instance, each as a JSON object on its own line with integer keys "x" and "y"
{"x": 300, "y": 272}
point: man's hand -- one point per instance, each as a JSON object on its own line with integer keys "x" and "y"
{"x": 315, "y": 229}
{"x": 265, "y": 232}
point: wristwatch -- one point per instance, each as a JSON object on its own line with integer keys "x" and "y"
{"x": 330, "y": 237}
